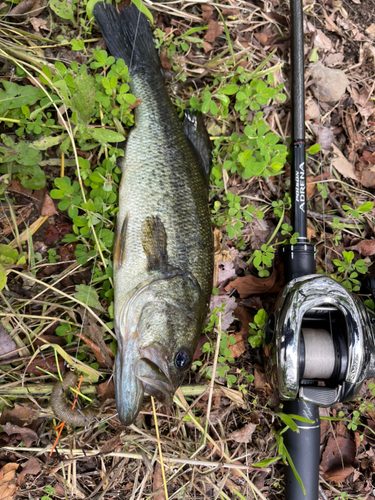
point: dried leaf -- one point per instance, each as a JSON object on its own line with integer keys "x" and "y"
{"x": 225, "y": 270}
{"x": 363, "y": 101}
{"x": 96, "y": 334}
{"x": 310, "y": 186}
{"x": 368, "y": 157}
{"x": 19, "y": 415}
{"x": 48, "y": 208}
{"x": 322, "y": 41}
{"x": 8, "y": 488}
{"x": 243, "y": 435}
{"x": 324, "y": 136}
{"x": 111, "y": 445}
{"x": 334, "y": 59}
{"x": 22, "y": 8}
{"x": 340, "y": 474}
{"x": 339, "y": 452}
{"x": 252, "y": 285}
{"x": 368, "y": 178}
{"x": 214, "y": 30}
{"x": 106, "y": 390}
{"x": 239, "y": 347}
{"x": 342, "y": 165}
{"x": 207, "y": 12}
{"x": 7, "y": 345}
{"x": 31, "y": 467}
{"x": 165, "y": 62}
{"x": 367, "y": 247}
{"x": 157, "y": 483}
{"x": 260, "y": 379}
{"x": 28, "y": 435}
{"x": 227, "y": 317}
{"x": 38, "y": 23}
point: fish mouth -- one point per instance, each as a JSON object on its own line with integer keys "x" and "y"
{"x": 153, "y": 371}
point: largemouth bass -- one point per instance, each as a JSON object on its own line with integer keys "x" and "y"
{"x": 163, "y": 253}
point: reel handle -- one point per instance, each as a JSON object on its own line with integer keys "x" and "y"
{"x": 304, "y": 450}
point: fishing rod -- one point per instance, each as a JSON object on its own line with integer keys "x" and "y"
{"x": 324, "y": 335}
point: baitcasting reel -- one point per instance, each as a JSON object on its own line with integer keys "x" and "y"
{"x": 325, "y": 341}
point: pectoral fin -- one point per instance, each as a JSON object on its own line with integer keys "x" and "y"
{"x": 154, "y": 242}
{"x": 119, "y": 244}
{"x": 199, "y": 140}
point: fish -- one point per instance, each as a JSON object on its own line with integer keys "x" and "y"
{"x": 163, "y": 247}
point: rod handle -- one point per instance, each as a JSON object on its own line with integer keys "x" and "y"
{"x": 304, "y": 450}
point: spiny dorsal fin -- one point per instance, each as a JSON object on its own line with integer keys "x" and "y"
{"x": 119, "y": 245}
{"x": 199, "y": 140}
{"x": 154, "y": 242}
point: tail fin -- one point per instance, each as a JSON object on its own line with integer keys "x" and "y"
{"x": 128, "y": 36}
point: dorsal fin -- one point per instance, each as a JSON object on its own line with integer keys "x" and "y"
{"x": 154, "y": 242}
{"x": 199, "y": 140}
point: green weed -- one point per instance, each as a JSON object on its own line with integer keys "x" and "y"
{"x": 349, "y": 271}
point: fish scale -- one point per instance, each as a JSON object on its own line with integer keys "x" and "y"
{"x": 163, "y": 255}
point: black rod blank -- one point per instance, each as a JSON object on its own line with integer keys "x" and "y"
{"x": 298, "y": 170}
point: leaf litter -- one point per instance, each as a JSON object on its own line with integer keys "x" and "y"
{"x": 193, "y": 63}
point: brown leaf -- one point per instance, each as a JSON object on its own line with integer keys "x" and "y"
{"x": 28, "y": 435}
{"x": 8, "y": 471}
{"x": 157, "y": 483}
{"x": 48, "y": 363}
{"x": 207, "y": 12}
{"x": 8, "y": 488}
{"x": 368, "y": 157}
{"x": 310, "y": 186}
{"x": 111, "y": 445}
{"x": 7, "y": 344}
{"x": 207, "y": 47}
{"x": 17, "y": 187}
{"x": 340, "y": 474}
{"x": 22, "y": 8}
{"x": 322, "y": 41}
{"x": 19, "y": 415}
{"x": 362, "y": 100}
{"x": 342, "y": 165}
{"x": 368, "y": 178}
{"x": 96, "y": 334}
{"x": 165, "y": 62}
{"x": 225, "y": 270}
{"x": 37, "y": 8}
{"x": 252, "y": 285}
{"x": 338, "y": 452}
{"x": 243, "y": 435}
{"x": 214, "y": 30}
{"x": 324, "y": 136}
{"x": 227, "y": 316}
{"x": 239, "y": 347}
{"x": 367, "y": 247}
{"x": 260, "y": 379}
{"x": 31, "y": 467}
{"x": 244, "y": 317}
{"x": 48, "y": 207}
{"x": 38, "y": 23}
{"x": 106, "y": 390}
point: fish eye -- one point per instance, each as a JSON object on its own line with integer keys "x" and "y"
{"x": 182, "y": 360}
